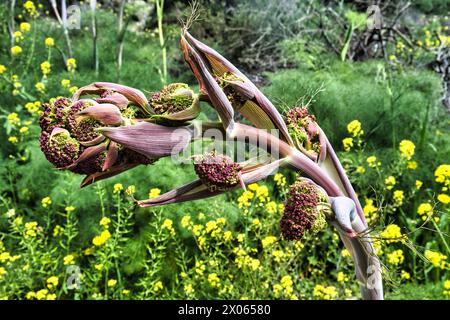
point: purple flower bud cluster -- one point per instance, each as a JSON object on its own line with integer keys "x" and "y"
{"x": 83, "y": 129}
{"x": 217, "y": 172}
{"x": 303, "y": 210}
{"x": 303, "y": 129}
{"x": 69, "y": 140}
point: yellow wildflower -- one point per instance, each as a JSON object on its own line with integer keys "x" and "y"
{"x": 188, "y": 288}
{"x": 158, "y": 286}
{"x": 214, "y": 280}
{"x": 71, "y": 64}
{"x": 73, "y": 89}
{"x": 16, "y": 50}
{"x": 325, "y": 293}
{"x": 130, "y": 190}
{"x": 69, "y": 259}
{"x": 25, "y": 27}
{"x": 117, "y": 188}
{"x": 102, "y": 238}
{"x": 405, "y": 275}
{"x": 112, "y": 282}
{"x": 46, "y": 202}
{"x": 49, "y": 42}
{"x": 105, "y": 221}
{"x": 348, "y": 143}
{"x": 41, "y": 294}
{"x": 407, "y": 148}
{"x": 412, "y": 165}
{"x": 418, "y": 184}
{"x": 390, "y": 182}
{"x": 279, "y": 179}
{"x": 437, "y": 259}
{"x": 13, "y": 139}
{"x": 396, "y": 257}
{"x": 2, "y": 69}
{"x": 65, "y": 83}
{"x": 354, "y": 128}
{"x": 398, "y": 197}
{"x": 393, "y": 234}
{"x": 268, "y": 241}
{"x": 13, "y": 118}
{"x": 17, "y": 35}
{"x": 227, "y": 235}
{"x": 443, "y": 198}
{"x": 52, "y": 282}
{"x": 154, "y": 192}
{"x": 69, "y": 209}
{"x": 425, "y": 210}
{"x": 271, "y": 207}
{"x": 46, "y": 68}
{"x": 58, "y": 230}
{"x": 442, "y": 174}
{"x": 186, "y": 221}
{"x": 40, "y": 86}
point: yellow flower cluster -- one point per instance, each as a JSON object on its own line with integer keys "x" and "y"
{"x": 446, "y": 291}
{"x": 325, "y": 293}
{"x": 102, "y": 238}
{"x": 437, "y": 259}
{"x": 16, "y": 50}
{"x": 153, "y": 193}
{"x": 71, "y": 64}
{"x": 279, "y": 179}
{"x": 69, "y": 260}
{"x": 25, "y": 27}
{"x": 443, "y": 198}
{"x": 370, "y": 211}
{"x": 49, "y": 42}
{"x": 42, "y": 294}
{"x": 407, "y": 149}
{"x": 117, "y": 188}
{"x": 40, "y": 86}
{"x": 168, "y": 225}
{"x": 214, "y": 280}
{"x": 354, "y": 128}
{"x": 30, "y": 8}
{"x": 390, "y": 182}
{"x": 398, "y": 197}
{"x": 442, "y": 174}
{"x": 342, "y": 277}
{"x": 425, "y": 210}
{"x": 396, "y": 257}
{"x": 268, "y": 241}
{"x": 347, "y": 143}
{"x": 18, "y": 36}
{"x": 58, "y": 230}
{"x": 372, "y": 161}
{"x": 33, "y": 107}
{"x": 392, "y": 233}
{"x": 46, "y": 202}
{"x": 52, "y": 282}
{"x": 244, "y": 260}
{"x": 31, "y": 229}
{"x": 46, "y": 68}
{"x": 405, "y": 275}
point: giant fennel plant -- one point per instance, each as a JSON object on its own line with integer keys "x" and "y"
{"x": 106, "y": 128}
